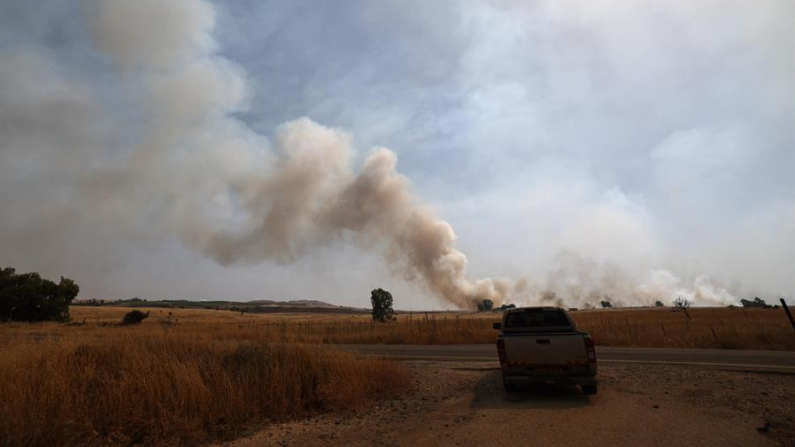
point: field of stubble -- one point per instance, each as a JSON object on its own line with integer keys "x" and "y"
{"x": 190, "y": 376}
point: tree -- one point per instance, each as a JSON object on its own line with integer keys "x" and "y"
{"x": 757, "y": 302}
{"x": 486, "y": 305}
{"x": 29, "y": 297}
{"x": 659, "y": 303}
{"x": 606, "y": 304}
{"x": 683, "y": 304}
{"x": 381, "y": 301}
{"x": 134, "y": 317}
{"x": 508, "y": 306}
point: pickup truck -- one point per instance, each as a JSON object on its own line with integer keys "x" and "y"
{"x": 542, "y": 345}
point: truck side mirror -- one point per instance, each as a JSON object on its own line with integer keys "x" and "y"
{"x": 497, "y": 326}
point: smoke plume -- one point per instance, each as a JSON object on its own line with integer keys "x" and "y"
{"x": 157, "y": 148}
{"x": 277, "y": 205}
{"x": 313, "y": 196}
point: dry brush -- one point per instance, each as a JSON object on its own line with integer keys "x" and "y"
{"x": 160, "y": 390}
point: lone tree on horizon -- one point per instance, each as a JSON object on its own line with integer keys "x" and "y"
{"x": 683, "y": 304}
{"x": 485, "y": 306}
{"x": 382, "y": 305}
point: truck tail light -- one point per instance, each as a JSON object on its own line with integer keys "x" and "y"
{"x": 590, "y": 349}
{"x": 501, "y": 350}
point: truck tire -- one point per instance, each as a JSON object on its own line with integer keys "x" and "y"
{"x": 589, "y": 389}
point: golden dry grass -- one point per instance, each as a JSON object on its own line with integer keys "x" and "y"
{"x": 188, "y": 376}
{"x": 145, "y": 386}
{"x": 653, "y": 327}
{"x": 708, "y": 328}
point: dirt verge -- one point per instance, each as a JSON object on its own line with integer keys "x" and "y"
{"x": 464, "y": 405}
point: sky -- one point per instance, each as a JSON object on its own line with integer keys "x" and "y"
{"x": 570, "y": 151}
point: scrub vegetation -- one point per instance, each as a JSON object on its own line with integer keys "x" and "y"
{"x": 109, "y": 385}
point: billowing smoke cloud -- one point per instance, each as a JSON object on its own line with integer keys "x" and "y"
{"x": 578, "y": 281}
{"x": 275, "y": 206}
{"x": 313, "y": 196}
{"x": 175, "y": 159}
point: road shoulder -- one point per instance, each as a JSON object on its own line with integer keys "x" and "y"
{"x": 463, "y": 404}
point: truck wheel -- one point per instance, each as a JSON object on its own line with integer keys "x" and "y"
{"x": 589, "y": 389}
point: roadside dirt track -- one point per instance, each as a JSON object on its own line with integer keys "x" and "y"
{"x": 463, "y": 404}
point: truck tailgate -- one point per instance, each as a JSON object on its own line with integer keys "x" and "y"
{"x": 549, "y": 354}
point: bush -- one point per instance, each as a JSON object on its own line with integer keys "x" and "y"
{"x": 486, "y": 305}
{"x": 382, "y": 305}
{"x": 29, "y": 297}
{"x": 682, "y": 303}
{"x": 659, "y": 303}
{"x": 606, "y": 304}
{"x": 757, "y": 302}
{"x": 134, "y": 317}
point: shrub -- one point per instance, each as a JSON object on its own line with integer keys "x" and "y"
{"x": 757, "y": 302}
{"x": 486, "y": 305}
{"x": 659, "y": 303}
{"x": 606, "y": 304}
{"x": 382, "y": 305}
{"x": 683, "y": 304}
{"x": 29, "y": 297}
{"x": 134, "y": 317}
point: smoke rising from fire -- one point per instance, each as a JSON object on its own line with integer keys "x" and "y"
{"x": 313, "y": 196}
{"x": 301, "y": 194}
{"x": 183, "y": 162}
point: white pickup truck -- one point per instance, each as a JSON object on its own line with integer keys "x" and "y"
{"x": 543, "y": 345}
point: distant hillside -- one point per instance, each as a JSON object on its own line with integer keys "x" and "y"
{"x": 310, "y": 303}
{"x": 257, "y": 306}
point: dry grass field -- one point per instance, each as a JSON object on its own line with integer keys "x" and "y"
{"x": 707, "y": 328}
{"x": 146, "y": 386}
{"x": 189, "y": 376}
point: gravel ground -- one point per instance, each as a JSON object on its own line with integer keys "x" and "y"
{"x": 463, "y": 404}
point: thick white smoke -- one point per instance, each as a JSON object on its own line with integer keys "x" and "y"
{"x": 187, "y": 166}
{"x": 239, "y": 204}
{"x": 579, "y": 281}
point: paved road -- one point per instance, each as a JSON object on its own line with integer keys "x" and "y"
{"x": 725, "y": 359}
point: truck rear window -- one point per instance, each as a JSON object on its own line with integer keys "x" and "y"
{"x": 536, "y": 318}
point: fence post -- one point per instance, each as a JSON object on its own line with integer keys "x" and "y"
{"x": 789, "y": 315}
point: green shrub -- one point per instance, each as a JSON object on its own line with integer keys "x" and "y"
{"x": 29, "y": 297}
{"x": 134, "y": 317}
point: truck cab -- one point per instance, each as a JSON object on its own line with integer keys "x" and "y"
{"x": 542, "y": 345}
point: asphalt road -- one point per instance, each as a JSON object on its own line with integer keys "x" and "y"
{"x": 723, "y": 359}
